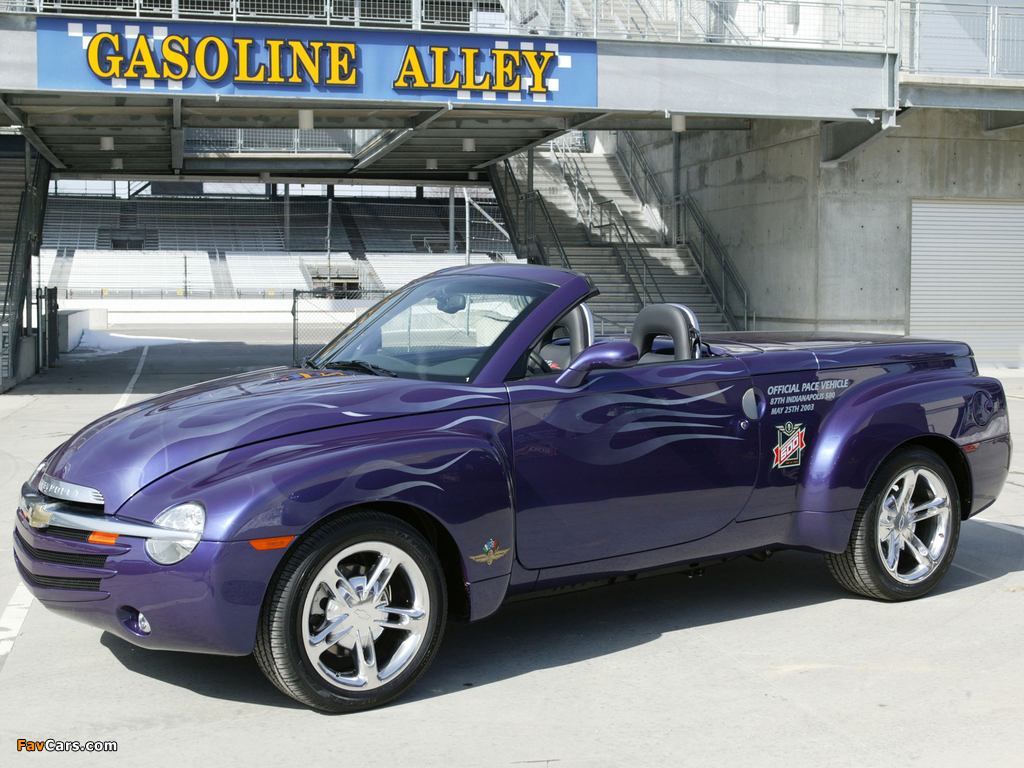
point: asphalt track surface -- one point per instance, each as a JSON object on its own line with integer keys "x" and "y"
{"x": 751, "y": 664}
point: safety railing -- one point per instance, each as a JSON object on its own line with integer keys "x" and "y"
{"x": 643, "y": 181}
{"x": 604, "y": 221}
{"x": 719, "y": 274}
{"x": 14, "y": 316}
{"x": 834, "y": 23}
{"x": 269, "y": 140}
{"x": 960, "y": 39}
{"x": 682, "y": 222}
{"x": 872, "y": 24}
{"x": 527, "y": 219}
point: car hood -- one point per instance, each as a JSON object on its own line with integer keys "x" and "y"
{"x": 130, "y": 448}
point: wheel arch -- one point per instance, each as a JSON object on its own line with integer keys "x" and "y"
{"x": 954, "y": 458}
{"x": 881, "y": 418}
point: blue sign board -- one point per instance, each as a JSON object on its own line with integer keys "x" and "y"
{"x": 187, "y": 58}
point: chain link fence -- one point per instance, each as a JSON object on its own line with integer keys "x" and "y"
{"x": 319, "y": 316}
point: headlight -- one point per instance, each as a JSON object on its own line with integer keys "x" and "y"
{"x": 189, "y": 517}
{"x": 38, "y": 472}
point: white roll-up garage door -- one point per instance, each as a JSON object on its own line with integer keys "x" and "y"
{"x": 967, "y": 276}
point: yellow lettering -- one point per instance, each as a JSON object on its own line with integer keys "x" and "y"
{"x": 505, "y": 76}
{"x": 538, "y": 61}
{"x": 274, "y": 46}
{"x": 300, "y": 55}
{"x": 142, "y": 57}
{"x": 113, "y": 62}
{"x": 341, "y": 71}
{"x": 223, "y": 60}
{"x": 242, "y": 68}
{"x": 439, "y": 54}
{"x": 176, "y": 57}
{"x": 411, "y": 67}
{"x": 471, "y": 84}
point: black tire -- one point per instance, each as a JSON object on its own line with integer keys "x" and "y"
{"x": 280, "y": 644}
{"x": 861, "y": 567}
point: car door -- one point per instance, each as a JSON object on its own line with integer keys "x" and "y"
{"x": 632, "y": 460}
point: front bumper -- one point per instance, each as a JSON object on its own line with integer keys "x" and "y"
{"x": 209, "y": 602}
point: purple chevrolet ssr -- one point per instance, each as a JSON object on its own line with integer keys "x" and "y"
{"x": 468, "y": 440}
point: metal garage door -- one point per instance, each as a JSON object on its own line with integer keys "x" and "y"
{"x": 967, "y": 276}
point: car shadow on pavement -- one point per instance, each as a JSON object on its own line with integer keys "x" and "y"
{"x": 233, "y": 678}
{"x": 573, "y": 626}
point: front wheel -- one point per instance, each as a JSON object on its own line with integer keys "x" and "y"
{"x": 355, "y": 616}
{"x": 905, "y": 532}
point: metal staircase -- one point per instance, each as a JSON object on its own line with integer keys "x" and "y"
{"x": 22, "y": 206}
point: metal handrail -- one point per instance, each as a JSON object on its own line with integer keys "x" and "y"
{"x": 709, "y": 255}
{"x": 650, "y": 181}
{"x": 28, "y": 229}
{"x": 702, "y": 244}
{"x": 695, "y": 20}
{"x": 585, "y": 207}
{"x": 521, "y": 219}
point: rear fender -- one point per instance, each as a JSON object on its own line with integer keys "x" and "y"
{"x": 875, "y": 418}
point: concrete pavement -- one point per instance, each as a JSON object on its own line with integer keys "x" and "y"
{"x": 754, "y": 663}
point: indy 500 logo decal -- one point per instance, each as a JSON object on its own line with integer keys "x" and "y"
{"x": 791, "y": 445}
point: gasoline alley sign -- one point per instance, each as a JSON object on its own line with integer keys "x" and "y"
{"x": 99, "y": 55}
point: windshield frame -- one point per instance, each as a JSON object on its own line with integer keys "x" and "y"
{"x": 377, "y": 314}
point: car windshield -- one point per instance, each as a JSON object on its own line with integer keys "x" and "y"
{"x": 443, "y": 329}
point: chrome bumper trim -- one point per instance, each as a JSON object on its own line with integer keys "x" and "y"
{"x": 41, "y": 513}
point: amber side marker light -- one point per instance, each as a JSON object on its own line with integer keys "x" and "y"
{"x": 96, "y": 537}
{"x": 971, "y": 447}
{"x": 275, "y": 542}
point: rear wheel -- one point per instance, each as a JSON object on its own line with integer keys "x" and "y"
{"x": 906, "y": 529}
{"x": 355, "y": 616}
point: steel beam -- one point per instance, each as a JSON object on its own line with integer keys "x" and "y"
{"x": 398, "y": 139}
{"x": 30, "y": 135}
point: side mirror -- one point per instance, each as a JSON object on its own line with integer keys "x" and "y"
{"x": 609, "y": 354}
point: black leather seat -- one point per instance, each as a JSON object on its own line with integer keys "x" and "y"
{"x": 672, "y": 320}
{"x": 578, "y": 328}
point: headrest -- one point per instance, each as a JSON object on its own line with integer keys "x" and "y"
{"x": 579, "y": 324}
{"x": 663, "y": 320}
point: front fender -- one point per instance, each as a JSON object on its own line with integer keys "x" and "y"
{"x": 878, "y": 416}
{"x": 452, "y": 466}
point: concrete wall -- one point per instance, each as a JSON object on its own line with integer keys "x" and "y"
{"x": 185, "y": 311}
{"x": 71, "y": 323}
{"x": 829, "y": 249}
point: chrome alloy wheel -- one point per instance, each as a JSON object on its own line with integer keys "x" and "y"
{"x": 365, "y": 615}
{"x": 914, "y": 525}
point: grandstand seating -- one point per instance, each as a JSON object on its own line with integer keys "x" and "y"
{"x": 393, "y": 270}
{"x": 235, "y": 247}
{"x": 253, "y": 274}
{"x": 136, "y": 274}
{"x": 254, "y": 225}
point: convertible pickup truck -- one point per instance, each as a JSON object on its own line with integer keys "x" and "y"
{"x": 468, "y": 440}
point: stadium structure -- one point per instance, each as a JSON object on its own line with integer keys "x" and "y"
{"x": 824, "y": 165}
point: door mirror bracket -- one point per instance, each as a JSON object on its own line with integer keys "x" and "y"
{"x": 603, "y": 356}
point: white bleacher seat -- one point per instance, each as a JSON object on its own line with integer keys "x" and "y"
{"x": 396, "y": 269}
{"x": 135, "y": 273}
{"x": 257, "y": 273}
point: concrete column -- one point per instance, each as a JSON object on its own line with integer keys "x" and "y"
{"x": 674, "y": 232}
{"x": 451, "y": 219}
{"x": 287, "y": 217}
